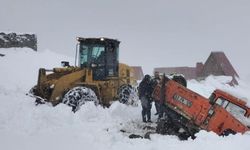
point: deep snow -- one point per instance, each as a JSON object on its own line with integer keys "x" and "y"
{"x": 26, "y": 126}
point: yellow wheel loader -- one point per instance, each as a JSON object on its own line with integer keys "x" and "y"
{"x": 97, "y": 76}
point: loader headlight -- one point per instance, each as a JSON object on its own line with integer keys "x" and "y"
{"x": 102, "y": 39}
{"x": 79, "y": 39}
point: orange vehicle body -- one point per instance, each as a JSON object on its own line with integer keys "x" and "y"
{"x": 201, "y": 112}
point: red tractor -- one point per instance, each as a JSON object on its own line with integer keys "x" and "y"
{"x": 186, "y": 112}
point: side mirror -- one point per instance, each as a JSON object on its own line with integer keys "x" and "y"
{"x": 65, "y": 64}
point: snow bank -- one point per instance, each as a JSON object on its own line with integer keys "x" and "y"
{"x": 19, "y": 67}
{"x": 26, "y": 126}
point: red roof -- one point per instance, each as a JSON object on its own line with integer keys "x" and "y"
{"x": 224, "y": 63}
{"x": 216, "y": 64}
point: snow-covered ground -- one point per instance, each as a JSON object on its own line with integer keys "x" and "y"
{"x": 26, "y": 126}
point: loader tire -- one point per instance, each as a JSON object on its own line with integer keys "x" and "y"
{"x": 78, "y": 96}
{"x": 127, "y": 95}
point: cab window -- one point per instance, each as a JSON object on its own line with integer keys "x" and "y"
{"x": 222, "y": 102}
{"x": 234, "y": 110}
{"x": 83, "y": 56}
{"x": 238, "y": 113}
{"x": 97, "y": 51}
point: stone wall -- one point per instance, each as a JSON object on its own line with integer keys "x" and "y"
{"x": 18, "y": 40}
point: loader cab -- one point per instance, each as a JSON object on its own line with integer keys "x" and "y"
{"x": 100, "y": 55}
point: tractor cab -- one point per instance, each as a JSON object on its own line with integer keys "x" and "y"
{"x": 100, "y": 55}
{"x": 236, "y": 107}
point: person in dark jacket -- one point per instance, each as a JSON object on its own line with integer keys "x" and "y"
{"x": 145, "y": 92}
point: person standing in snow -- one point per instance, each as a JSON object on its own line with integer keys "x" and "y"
{"x": 145, "y": 91}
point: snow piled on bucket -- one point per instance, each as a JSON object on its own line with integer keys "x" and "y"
{"x": 26, "y": 126}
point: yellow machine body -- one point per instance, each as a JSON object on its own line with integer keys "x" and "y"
{"x": 53, "y": 84}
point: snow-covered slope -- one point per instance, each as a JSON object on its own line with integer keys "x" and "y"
{"x": 26, "y": 126}
{"x": 19, "y": 67}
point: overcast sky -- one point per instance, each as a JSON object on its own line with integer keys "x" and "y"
{"x": 153, "y": 33}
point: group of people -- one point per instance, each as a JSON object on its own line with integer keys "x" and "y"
{"x": 145, "y": 91}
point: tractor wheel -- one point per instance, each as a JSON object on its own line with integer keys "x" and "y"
{"x": 127, "y": 95}
{"x": 181, "y": 80}
{"x": 77, "y": 96}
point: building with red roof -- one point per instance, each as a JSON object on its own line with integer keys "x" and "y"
{"x": 217, "y": 64}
